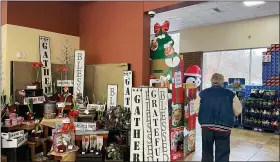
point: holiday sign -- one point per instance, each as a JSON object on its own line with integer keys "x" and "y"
{"x": 79, "y": 72}
{"x": 136, "y": 143}
{"x": 45, "y": 55}
{"x": 149, "y": 117}
{"x": 127, "y": 85}
{"x": 112, "y": 93}
{"x": 148, "y": 151}
{"x": 164, "y": 121}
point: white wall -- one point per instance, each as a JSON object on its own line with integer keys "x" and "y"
{"x": 252, "y": 33}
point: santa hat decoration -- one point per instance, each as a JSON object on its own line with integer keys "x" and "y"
{"x": 193, "y": 70}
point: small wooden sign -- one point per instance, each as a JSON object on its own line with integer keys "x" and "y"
{"x": 80, "y": 126}
{"x": 136, "y": 143}
{"x": 112, "y": 93}
{"x": 45, "y": 55}
{"x": 65, "y": 83}
{"x": 79, "y": 72}
{"x": 127, "y": 85}
{"x": 155, "y": 124}
{"x": 36, "y": 100}
{"x": 148, "y": 150}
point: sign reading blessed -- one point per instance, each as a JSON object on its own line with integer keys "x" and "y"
{"x": 148, "y": 151}
{"x": 163, "y": 108}
{"x": 45, "y": 55}
{"x": 151, "y": 121}
{"x": 136, "y": 141}
{"x": 79, "y": 72}
{"x": 127, "y": 85}
{"x": 112, "y": 92}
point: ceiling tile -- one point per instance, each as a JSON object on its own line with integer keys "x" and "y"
{"x": 203, "y": 14}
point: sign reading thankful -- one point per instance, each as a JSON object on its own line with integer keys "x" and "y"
{"x": 45, "y": 54}
{"x": 136, "y": 143}
{"x": 112, "y": 92}
{"x": 79, "y": 72}
{"x": 127, "y": 85}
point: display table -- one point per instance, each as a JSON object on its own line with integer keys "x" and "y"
{"x": 66, "y": 156}
{"x": 33, "y": 144}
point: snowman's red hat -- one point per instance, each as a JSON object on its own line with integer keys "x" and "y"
{"x": 193, "y": 70}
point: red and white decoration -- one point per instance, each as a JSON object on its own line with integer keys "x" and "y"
{"x": 193, "y": 75}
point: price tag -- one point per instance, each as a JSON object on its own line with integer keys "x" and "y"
{"x": 192, "y": 109}
{"x": 178, "y": 79}
{"x": 60, "y": 104}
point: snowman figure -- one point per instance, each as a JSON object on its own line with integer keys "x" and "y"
{"x": 193, "y": 75}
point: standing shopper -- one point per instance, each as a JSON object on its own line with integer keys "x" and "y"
{"x": 216, "y": 107}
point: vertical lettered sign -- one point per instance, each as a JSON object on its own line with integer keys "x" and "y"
{"x": 155, "y": 124}
{"x": 127, "y": 85}
{"x": 112, "y": 92}
{"x": 136, "y": 141}
{"x": 164, "y": 121}
{"x": 148, "y": 149}
{"x": 79, "y": 73}
{"x": 45, "y": 55}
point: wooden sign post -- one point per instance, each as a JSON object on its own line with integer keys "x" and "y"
{"x": 112, "y": 93}
{"x": 136, "y": 143}
{"x": 45, "y": 55}
{"x": 127, "y": 85}
{"x": 149, "y": 118}
{"x": 148, "y": 151}
{"x": 79, "y": 73}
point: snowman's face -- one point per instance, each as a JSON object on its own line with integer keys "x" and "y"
{"x": 193, "y": 80}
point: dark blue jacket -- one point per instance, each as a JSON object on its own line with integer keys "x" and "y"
{"x": 216, "y": 108}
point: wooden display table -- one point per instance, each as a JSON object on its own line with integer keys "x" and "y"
{"x": 33, "y": 144}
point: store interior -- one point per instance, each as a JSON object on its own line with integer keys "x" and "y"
{"x": 83, "y": 81}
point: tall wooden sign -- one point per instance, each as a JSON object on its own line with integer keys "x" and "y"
{"x": 79, "y": 73}
{"x": 164, "y": 121}
{"x": 45, "y": 55}
{"x": 112, "y": 93}
{"x": 136, "y": 144}
{"x": 127, "y": 85}
{"x": 148, "y": 151}
{"x": 155, "y": 125}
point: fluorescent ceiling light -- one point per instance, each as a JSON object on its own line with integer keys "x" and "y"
{"x": 253, "y": 3}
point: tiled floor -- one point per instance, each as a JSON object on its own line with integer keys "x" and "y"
{"x": 245, "y": 146}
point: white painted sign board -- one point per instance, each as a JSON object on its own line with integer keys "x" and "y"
{"x": 65, "y": 83}
{"x": 127, "y": 85}
{"x": 164, "y": 121}
{"x": 155, "y": 124}
{"x": 45, "y": 56}
{"x": 112, "y": 93}
{"x": 79, "y": 73}
{"x": 136, "y": 143}
{"x": 148, "y": 149}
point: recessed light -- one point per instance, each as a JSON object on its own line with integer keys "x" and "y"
{"x": 253, "y": 3}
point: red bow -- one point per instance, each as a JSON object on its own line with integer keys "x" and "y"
{"x": 164, "y": 28}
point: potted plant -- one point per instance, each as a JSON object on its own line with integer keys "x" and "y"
{"x": 37, "y": 67}
{"x": 73, "y": 112}
{"x": 30, "y": 114}
{"x": 61, "y": 148}
{"x": 99, "y": 121}
{"x": 36, "y": 133}
{"x": 120, "y": 139}
{"x": 113, "y": 153}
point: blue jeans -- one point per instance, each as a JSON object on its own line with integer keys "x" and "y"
{"x": 222, "y": 146}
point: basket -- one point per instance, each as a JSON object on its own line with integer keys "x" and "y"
{"x": 49, "y": 115}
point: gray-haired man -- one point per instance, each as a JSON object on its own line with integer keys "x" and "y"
{"x": 216, "y": 107}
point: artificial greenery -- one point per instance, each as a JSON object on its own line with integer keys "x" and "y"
{"x": 30, "y": 105}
